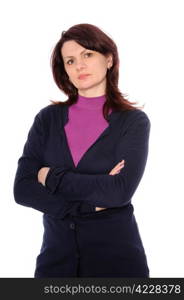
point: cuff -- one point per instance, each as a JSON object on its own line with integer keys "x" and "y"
{"x": 87, "y": 208}
{"x": 53, "y": 180}
{"x": 54, "y": 177}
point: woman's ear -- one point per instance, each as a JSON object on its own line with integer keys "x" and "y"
{"x": 109, "y": 61}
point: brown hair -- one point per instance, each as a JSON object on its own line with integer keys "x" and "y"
{"x": 93, "y": 38}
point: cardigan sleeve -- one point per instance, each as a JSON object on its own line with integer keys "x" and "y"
{"x": 27, "y": 190}
{"x": 104, "y": 190}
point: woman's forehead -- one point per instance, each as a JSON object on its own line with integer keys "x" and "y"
{"x": 70, "y": 48}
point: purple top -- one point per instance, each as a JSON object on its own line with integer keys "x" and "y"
{"x": 86, "y": 123}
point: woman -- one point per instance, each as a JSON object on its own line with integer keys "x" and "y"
{"x": 82, "y": 162}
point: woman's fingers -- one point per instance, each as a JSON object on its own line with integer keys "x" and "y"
{"x": 117, "y": 168}
{"x": 42, "y": 173}
{"x": 100, "y": 208}
{"x": 119, "y": 165}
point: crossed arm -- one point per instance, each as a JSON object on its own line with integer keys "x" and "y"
{"x": 42, "y": 174}
{"x": 65, "y": 191}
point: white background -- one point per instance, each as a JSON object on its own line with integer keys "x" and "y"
{"x": 149, "y": 36}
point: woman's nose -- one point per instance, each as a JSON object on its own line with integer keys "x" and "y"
{"x": 80, "y": 64}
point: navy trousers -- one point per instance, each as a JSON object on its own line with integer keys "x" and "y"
{"x": 93, "y": 245}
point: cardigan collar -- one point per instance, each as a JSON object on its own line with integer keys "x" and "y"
{"x": 112, "y": 117}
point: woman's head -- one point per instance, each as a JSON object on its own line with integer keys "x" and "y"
{"x": 102, "y": 65}
{"x": 79, "y": 61}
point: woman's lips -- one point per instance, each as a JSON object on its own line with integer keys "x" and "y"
{"x": 83, "y": 76}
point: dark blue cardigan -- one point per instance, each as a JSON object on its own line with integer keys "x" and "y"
{"x": 78, "y": 190}
{"x": 75, "y": 235}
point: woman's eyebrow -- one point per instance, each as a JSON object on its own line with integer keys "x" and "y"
{"x": 74, "y": 56}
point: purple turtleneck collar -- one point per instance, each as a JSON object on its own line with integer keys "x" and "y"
{"x": 90, "y": 102}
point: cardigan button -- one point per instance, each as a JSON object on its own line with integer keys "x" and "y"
{"x": 72, "y": 225}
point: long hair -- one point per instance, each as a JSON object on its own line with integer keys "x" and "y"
{"x": 92, "y": 38}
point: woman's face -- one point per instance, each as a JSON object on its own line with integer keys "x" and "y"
{"x": 79, "y": 61}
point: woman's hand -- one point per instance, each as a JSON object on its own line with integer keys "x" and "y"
{"x": 114, "y": 171}
{"x": 117, "y": 168}
{"x": 42, "y": 174}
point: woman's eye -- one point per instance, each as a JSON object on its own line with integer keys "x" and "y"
{"x": 88, "y": 53}
{"x": 69, "y": 61}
